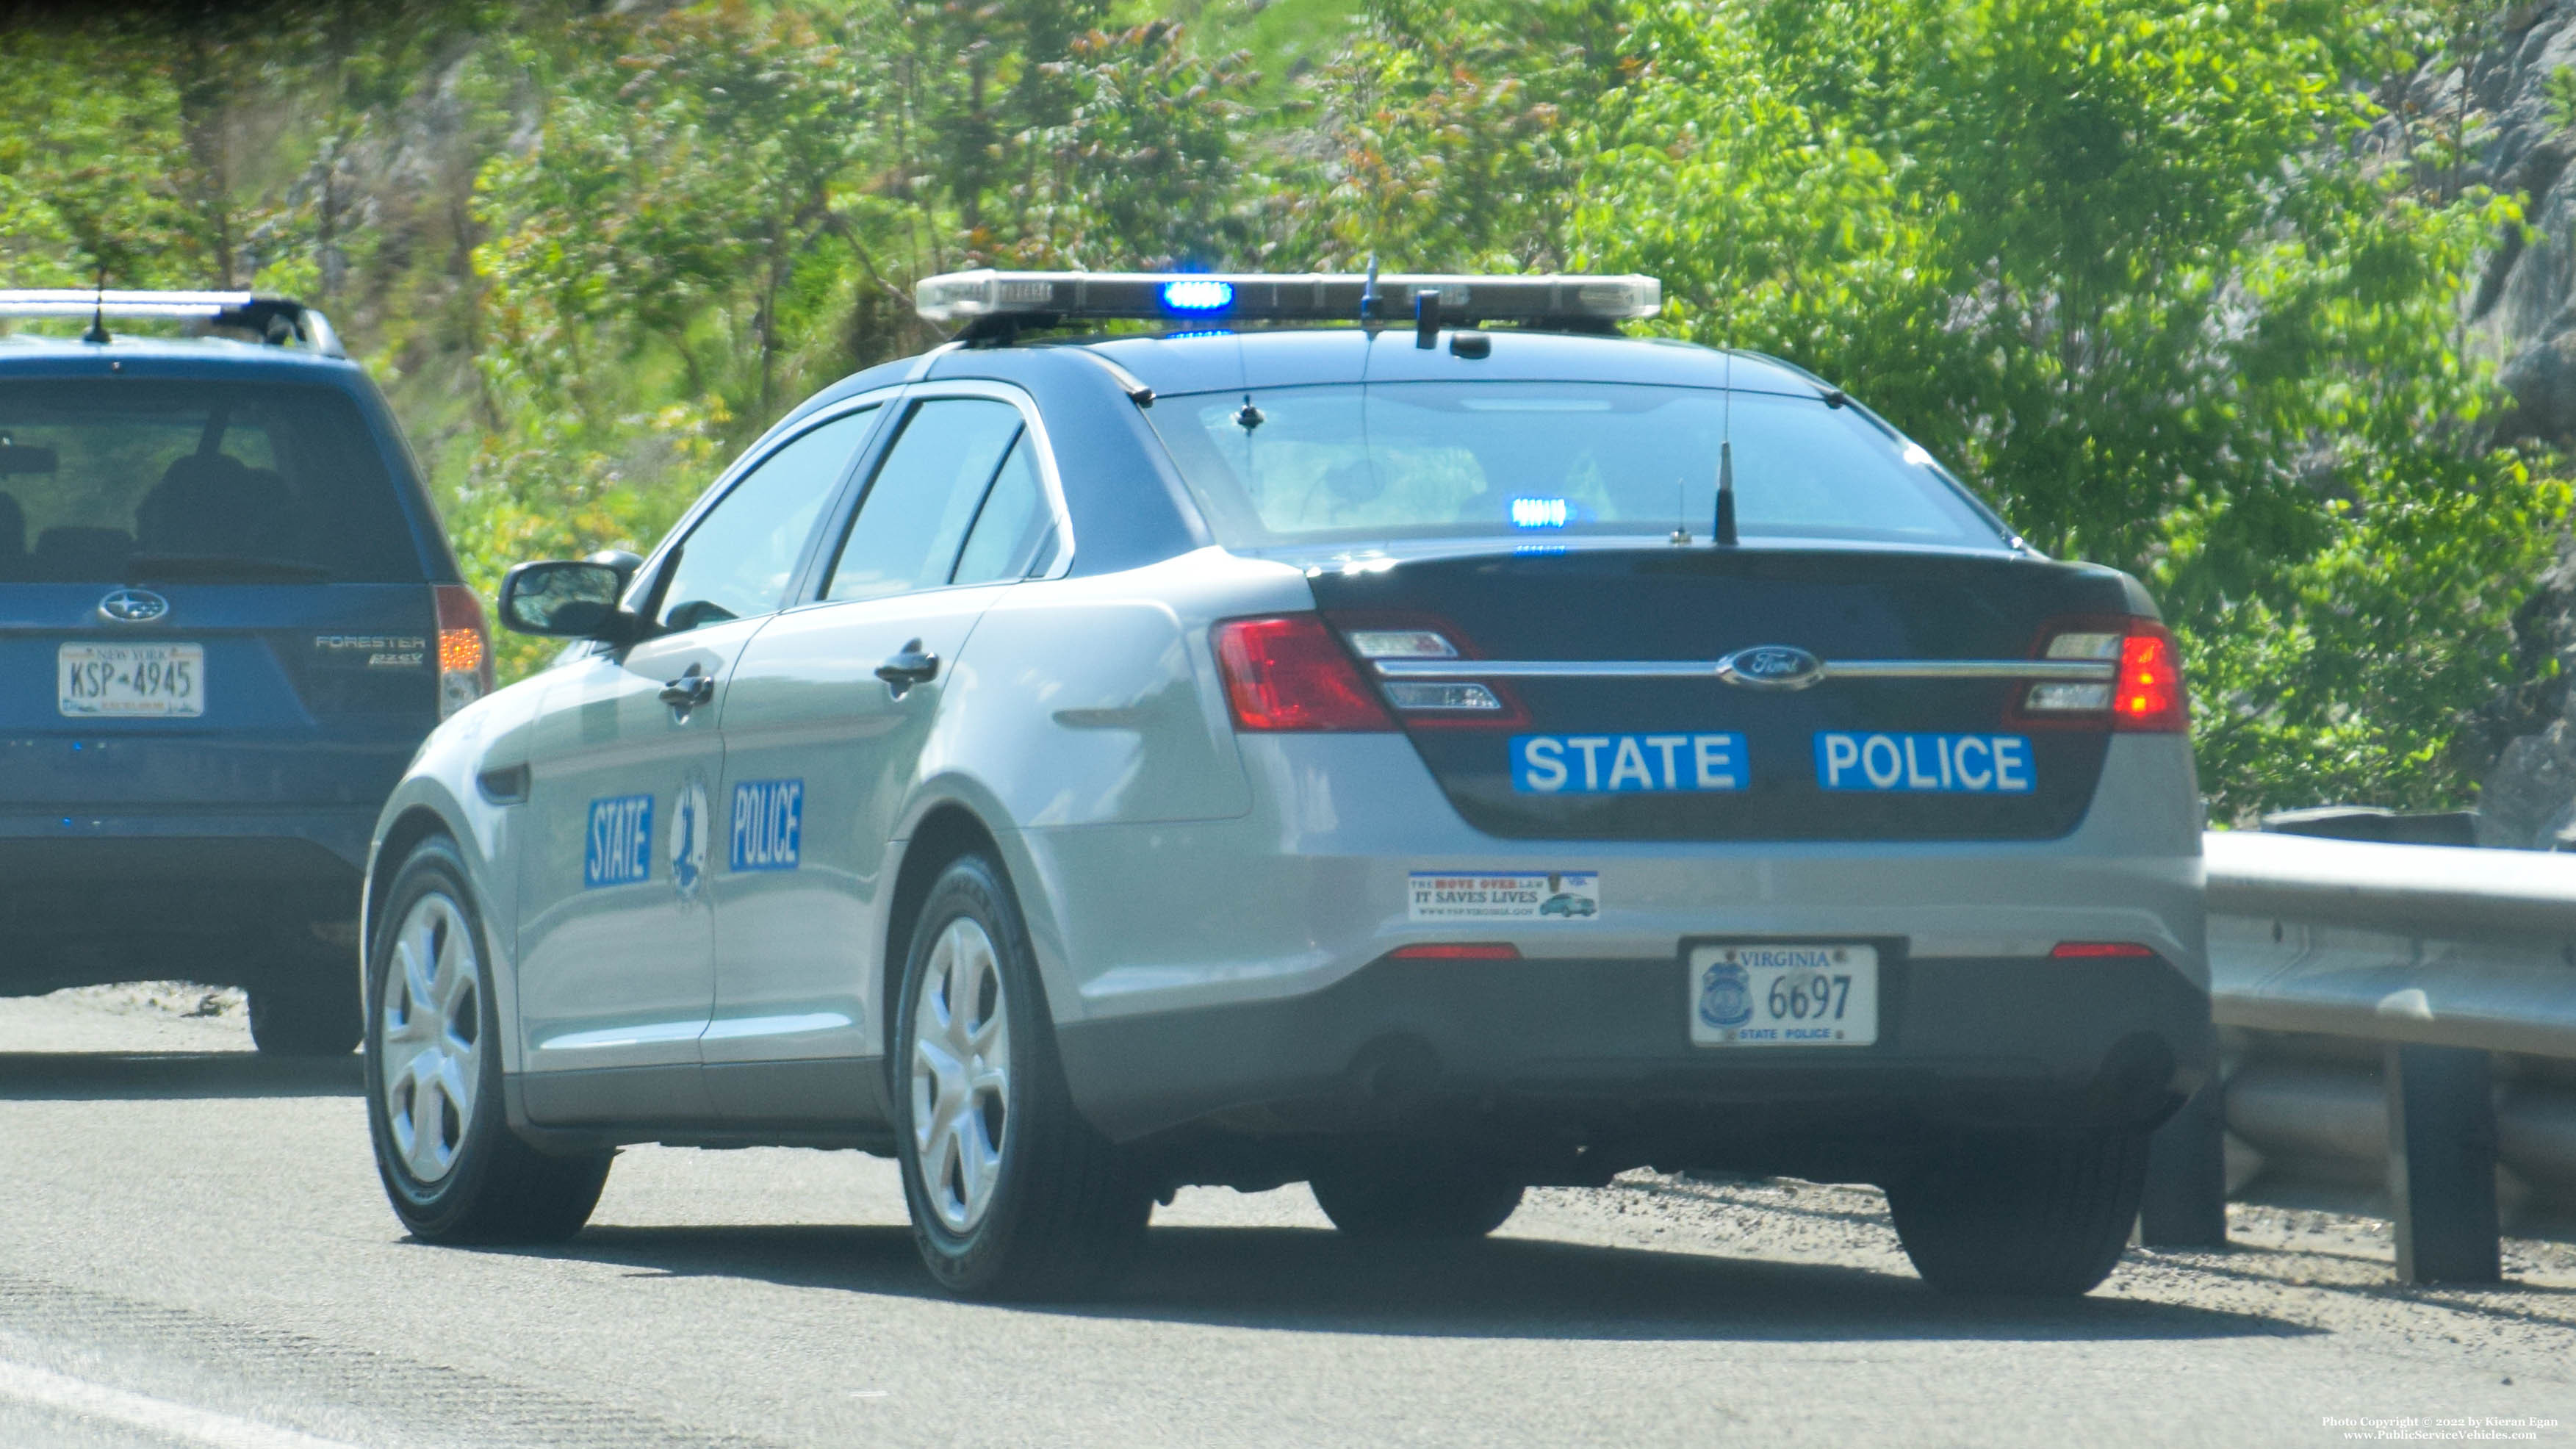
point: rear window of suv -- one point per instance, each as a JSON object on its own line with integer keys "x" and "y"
{"x": 116, "y": 480}
{"x": 1529, "y": 460}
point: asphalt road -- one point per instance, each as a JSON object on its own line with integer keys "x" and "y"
{"x": 194, "y": 1252}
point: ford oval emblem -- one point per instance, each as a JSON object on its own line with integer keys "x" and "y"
{"x": 133, "y": 606}
{"x": 1771, "y": 666}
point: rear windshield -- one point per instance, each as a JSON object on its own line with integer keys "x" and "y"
{"x": 1304, "y": 465}
{"x": 126, "y": 481}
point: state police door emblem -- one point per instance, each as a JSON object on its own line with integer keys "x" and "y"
{"x": 689, "y": 840}
{"x": 1725, "y": 995}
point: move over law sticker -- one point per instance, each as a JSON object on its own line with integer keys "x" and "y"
{"x": 1505, "y": 895}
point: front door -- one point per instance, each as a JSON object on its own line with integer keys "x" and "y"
{"x": 615, "y": 965}
{"x": 822, "y": 751}
{"x": 616, "y": 939}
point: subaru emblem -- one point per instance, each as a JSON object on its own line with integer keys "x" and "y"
{"x": 1771, "y": 666}
{"x": 133, "y": 606}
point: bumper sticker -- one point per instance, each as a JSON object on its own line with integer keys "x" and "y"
{"x": 618, "y": 848}
{"x": 1610, "y": 764}
{"x": 1505, "y": 895}
{"x": 768, "y": 824}
{"x": 1952, "y": 764}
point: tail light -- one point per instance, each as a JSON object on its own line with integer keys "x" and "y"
{"x": 464, "y": 649}
{"x": 2144, "y": 695}
{"x": 1412, "y": 638}
{"x": 1288, "y": 673}
{"x": 2098, "y": 950}
{"x": 2149, "y": 695}
{"x": 1457, "y": 951}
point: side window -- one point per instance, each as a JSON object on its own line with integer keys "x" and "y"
{"x": 737, "y": 562}
{"x": 1014, "y": 535}
{"x": 916, "y": 512}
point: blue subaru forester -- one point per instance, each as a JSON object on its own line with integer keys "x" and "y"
{"x": 228, "y": 616}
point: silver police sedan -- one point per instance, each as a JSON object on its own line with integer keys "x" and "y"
{"x": 1393, "y": 733}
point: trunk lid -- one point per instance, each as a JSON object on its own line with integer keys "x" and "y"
{"x": 1572, "y": 613}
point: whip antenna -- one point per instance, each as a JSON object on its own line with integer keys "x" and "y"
{"x": 1723, "y": 535}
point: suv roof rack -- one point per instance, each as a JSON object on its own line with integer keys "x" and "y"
{"x": 991, "y": 306}
{"x": 278, "y": 320}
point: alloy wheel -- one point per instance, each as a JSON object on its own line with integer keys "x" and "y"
{"x": 961, "y": 1060}
{"x": 433, "y": 1037}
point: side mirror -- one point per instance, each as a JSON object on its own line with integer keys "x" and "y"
{"x": 619, "y": 559}
{"x": 567, "y": 600}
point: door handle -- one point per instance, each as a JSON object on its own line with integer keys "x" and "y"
{"x": 908, "y": 668}
{"x": 690, "y": 690}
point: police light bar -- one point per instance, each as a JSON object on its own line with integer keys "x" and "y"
{"x": 987, "y": 301}
{"x": 276, "y": 319}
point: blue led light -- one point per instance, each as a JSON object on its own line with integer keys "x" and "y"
{"x": 1539, "y": 513}
{"x": 1200, "y": 295}
{"x": 1198, "y": 332}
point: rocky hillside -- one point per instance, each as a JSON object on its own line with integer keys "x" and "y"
{"x": 2523, "y": 314}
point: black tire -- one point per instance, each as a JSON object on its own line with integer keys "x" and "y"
{"x": 2037, "y": 1217}
{"x": 499, "y": 1189}
{"x": 309, "y": 1008}
{"x": 1066, "y": 1212}
{"x": 1416, "y": 1196}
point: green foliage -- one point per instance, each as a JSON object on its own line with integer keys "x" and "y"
{"x": 1445, "y": 136}
{"x": 2122, "y": 261}
{"x": 94, "y": 178}
{"x": 2162, "y": 277}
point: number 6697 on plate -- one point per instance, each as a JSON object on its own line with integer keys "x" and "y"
{"x": 1784, "y": 994}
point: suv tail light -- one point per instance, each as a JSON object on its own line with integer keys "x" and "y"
{"x": 2145, "y": 694}
{"x": 1288, "y": 673}
{"x": 464, "y": 649}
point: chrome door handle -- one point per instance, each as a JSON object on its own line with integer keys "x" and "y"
{"x": 912, "y": 666}
{"x": 689, "y": 690}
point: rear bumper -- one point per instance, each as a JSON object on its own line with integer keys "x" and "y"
{"x": 1601, "y": 1048}
{"x": 205, "y": 895}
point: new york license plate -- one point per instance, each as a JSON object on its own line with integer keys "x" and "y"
{"x": 1785, "y": 994}
{"x": 163, "y": 680}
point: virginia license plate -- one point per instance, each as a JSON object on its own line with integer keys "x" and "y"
{"x": 1784, "y": 994}
{"x": 160, "y": 680}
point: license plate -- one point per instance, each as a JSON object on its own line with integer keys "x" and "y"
{"x": 1784, "y": 994}
{"x": 156, "y": 680}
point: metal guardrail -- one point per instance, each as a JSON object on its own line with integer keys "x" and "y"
{"x": 2431, "y": 944}
{"x": 2402, "y": 1014}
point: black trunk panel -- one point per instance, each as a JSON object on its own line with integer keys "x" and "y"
{"x": 1702, "y": 604}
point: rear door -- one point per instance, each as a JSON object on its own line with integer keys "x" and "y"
{"x": 212, "y": 599}
{"x": 616, "y": 967}
{"x": 821, "y": 748}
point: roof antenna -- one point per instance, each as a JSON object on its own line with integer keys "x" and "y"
{"x": 1724, "y": 533}
{"x": 98, "y": 318}
{"x": 1368, "y": 298}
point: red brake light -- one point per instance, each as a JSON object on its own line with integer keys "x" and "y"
{"x": 2148, "y": 696}
{"x": 1457, "y": 951}
{"x": 464, "y": 649}
{"x": 2144, "y": 694}
{"x": 1289, "y": 673}
{"x": 2086, "y": 950}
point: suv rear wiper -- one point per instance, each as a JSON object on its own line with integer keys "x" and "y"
{"x": 217, "y": 568}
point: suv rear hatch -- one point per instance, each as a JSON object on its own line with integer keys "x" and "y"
{"x": 212, "y": 596}
{"x": 1619, "y": 651}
